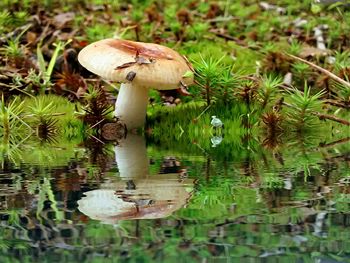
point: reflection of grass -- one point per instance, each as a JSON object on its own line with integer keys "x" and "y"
{"x": 9, "y": 151}
{"x": 50, "y": 155}
{"x": 180, "y": 129}
{"x": 185, "y": 127}
{"x": 10, "y": 117}
{"x": 36, "y": 152}
{"x": 208, "y": 201}
{"x": 50, "y": 105}
{"x": 46, "y": 193}
{"x": 18, "y": 147}
{"x": 271, "y": 180}
{"x": 8, "y": 242}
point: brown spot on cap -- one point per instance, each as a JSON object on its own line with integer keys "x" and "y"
{"x": 150, "y": 51}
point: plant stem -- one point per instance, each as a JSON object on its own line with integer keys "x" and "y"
{"x": 331, "y": 144}
{"x": 202, "y": 112}
{"x": 337, "y": 104}
{"x": 207, "y": 90}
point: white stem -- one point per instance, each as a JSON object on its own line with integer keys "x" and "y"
{"x": 131, "y": 157}
{"x": 131, "y": 105}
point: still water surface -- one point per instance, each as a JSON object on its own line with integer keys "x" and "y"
{"x": 132, "y": 203}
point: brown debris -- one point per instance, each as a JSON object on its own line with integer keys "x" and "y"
{"x": 184, "y": 17}
{"x": 63, "y": 19}
{"x": 113, "y": 131}
{"x": 308, "y": 51}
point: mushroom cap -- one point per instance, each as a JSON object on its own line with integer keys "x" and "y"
{"x": 144, "y": 64}
{"x": 158, "y": 196}
{"x": 102, "y": 204}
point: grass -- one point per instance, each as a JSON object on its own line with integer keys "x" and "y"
{"x": 235, "y": 47}
{"x": 45, "y": 71}
{"x": 57, "y": 108}
{"x": 10, "y": 117}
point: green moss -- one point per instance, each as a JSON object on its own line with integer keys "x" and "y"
{"x": 61, "y": 110}
{"x": 241, "y": 38}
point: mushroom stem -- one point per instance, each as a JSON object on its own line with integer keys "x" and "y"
{"x": 131, "y": 105}
{"x": 131, "y": 157}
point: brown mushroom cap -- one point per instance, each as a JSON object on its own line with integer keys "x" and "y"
{"x": 150, "y": 65}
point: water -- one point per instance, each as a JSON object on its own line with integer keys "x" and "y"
{"x": 132, "y": 203}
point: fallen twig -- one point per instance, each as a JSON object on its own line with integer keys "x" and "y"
{"x": 337, "y": 104}
{"x": 331, "y": 144}
{"x": 328, "y": 73}
{"x": 330, "y": 117}
{"x": 19, "y": 30}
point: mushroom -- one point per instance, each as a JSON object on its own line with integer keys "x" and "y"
{"x": 157, "y": 196}
{"x": 102, "y": 204}
{"x": 137, "y": 194}
{"x": 137, "y": 66}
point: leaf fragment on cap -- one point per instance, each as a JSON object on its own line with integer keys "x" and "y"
{"x": 188, "y": 74}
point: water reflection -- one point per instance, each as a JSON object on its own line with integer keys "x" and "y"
{"x": 131, "y": 157}
{"x": 215, "y": 141}
{"x": 138, "y": 195}
{"x": 279, "y": 205}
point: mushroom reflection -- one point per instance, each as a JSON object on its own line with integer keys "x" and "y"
{"x": 131, "y": 157}
{"x": 137, "y": 195}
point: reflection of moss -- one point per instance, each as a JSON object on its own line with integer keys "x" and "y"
{"x": 50, "y": 155}
{"x": 180, "y": 129}
{"x": 185, "y": 128}
{"x": 231, "y": 214}
{"x": 56, "y": 110}
{"x": 60, "y": 106}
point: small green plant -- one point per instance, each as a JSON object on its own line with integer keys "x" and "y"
{"x": 342, "y": 92}
{"x": 97, "y": 108}
{"x": 197, "y": 31}
{"x": 42, "y": 112}
{"x": 295, "y": 47}
{"x": 269, "y": 88}
{"x": 45, "y": 71}
{"x": 301, "y": 70}
{"x": 98, "y": 32}
{"x": 302, "y": 106}
{"x": 208, "y": 73}
{"x": 228, "y": 82}
{"x": 13, "y": 49}
{"x": 5, "y": 19}
{"x": 19, "y": 18}
{"x": 270, "y": 47}
{"x": 41, "y": 108}
{"x": 33, "y": 79}
{"x": 10, "y": 119}
{"x": 342, "y": 62}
